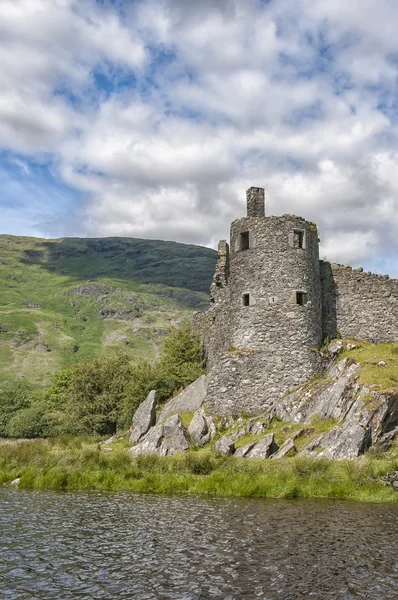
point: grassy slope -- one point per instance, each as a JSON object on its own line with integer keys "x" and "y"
{"x": 65, "y": 300}
{"x": 377, "y": 378}
{"x": 82, "y": 464}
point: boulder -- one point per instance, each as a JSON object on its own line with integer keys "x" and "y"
{"x": 287, "y": 449}
{"x": 335, "y": 347}
{"x": 189, "y": 400}
{"x": 244, "y": 450}
{"x": 257, "y": 427}
{"x": 212, "y": 430}
{"x": 175, "y": 437}
{"x": 150, "y": 443}
{"x": 263, "y": 448}
{"x": 144, "y": 418}
{"x": 198, "y": 427}
{"x": 224, "y": 446}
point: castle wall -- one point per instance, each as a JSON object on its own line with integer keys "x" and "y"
{"x": 359, "y": 305}
{"x": 273, "y": 338}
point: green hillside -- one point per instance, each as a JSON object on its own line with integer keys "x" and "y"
{"x": 65, "y": 300}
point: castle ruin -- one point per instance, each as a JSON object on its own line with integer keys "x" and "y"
{"x": 273, "y": 302}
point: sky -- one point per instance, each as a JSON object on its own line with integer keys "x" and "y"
{"x": 150, "y": 118}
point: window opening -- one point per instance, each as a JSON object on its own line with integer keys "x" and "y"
{"x": 301, "y": 298}
{"x": 246, "y": 299}
{"x": 244, "y": 241}
{"x": 298, "y": 238}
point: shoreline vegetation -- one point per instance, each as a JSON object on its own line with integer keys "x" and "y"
{"x": 81, "y": 463}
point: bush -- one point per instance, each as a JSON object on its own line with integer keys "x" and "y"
{"x": 100, "y": 397}
{"x": 12, "y": 400}
{"x": 180, "y": 361}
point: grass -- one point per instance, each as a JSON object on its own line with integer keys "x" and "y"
{"x": 64, "y": 301}
{"x": 383, "y": 379}
{"x": 82, "y": 464}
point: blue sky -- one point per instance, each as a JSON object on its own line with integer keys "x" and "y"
{"x": 150, "y": 118}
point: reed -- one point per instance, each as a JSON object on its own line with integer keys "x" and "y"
{"x": 80, "y": 463}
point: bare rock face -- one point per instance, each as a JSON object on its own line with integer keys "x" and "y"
{"x": 263, "y": 448}
{"x": 341, "y": 442}
{"x": 364, "y": 417}
{"x": 150, "y": 443}
{"x": 335, "y": 347}
{"x": 189, "y": 400}
{"x": 287, "y": 449}
{"x": 244, "y": 450}
{"x": 257, "y": 427}
{"x": 198, "y": 427}
{"x": 224, "y": 446}
{"x": 212, "y": 430}
{"x": 175, "y": 437}
{"x": 163, "y": 439}
{"x": 144, "y": 418}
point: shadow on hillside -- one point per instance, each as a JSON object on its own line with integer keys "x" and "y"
{"x": 143, "y": 261}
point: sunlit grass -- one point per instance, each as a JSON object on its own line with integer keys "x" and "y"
{"x": 82, "y": 464}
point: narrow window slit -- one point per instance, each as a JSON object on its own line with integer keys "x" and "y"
{"x": 244, "y": 241}
{"x": 246, "y": 299}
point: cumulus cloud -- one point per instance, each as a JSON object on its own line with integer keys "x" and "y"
{"x": 160, "y": 113}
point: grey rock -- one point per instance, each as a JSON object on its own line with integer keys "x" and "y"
{"x": 198, "y": 427}
{"x": 335, "y": 347}
{"x": 212, "y": 430}
{"x": 238, "y": 433}
{"x": 175, "y": 437}
{"x": 382, "y": 363}
{"x": 257, "y": 428}
{"x": 329, "y": 400}
{"x": 287, "y": 448}
{"x": 144, "y": 418}
{"x": 341, "y": 442}
{"x": 244, "y": 450}
{"x": 189, "y": 400}
{"x": 150, "y": 443}
{"x": 263, "y": 448}
{"x": 351, "y": 346}
{"x": 224, "y": 446}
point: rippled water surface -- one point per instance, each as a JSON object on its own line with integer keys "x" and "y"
{"x": 114, "y": 546}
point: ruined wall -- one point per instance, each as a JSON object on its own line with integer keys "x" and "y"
{"x": 273, "y": 337}
{"x": 359, "y": 305}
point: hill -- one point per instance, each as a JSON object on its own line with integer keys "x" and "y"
{"x": 65, "y": 300}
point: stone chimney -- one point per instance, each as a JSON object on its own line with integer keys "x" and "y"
{"x": 255, "y": 200}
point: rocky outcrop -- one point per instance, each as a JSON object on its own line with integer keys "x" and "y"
{"x": 224, "y": 446}
{"x": 189, "y": 400}
{"x": 144, "y": 418}
{"x": 175, "y": 437}
{"x": 287, "y": 449}
{"x": 198, "y": 427}
{"x": 163, "y": 439}
{"x": 264, "y": 448}
{"x": 363, "y": 416}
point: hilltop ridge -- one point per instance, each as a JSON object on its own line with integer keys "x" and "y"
{"x": 65, "y": 300}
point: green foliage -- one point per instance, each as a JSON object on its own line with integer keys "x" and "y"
{"x": 72, "y": 300}
{"x": 180, "y": 363}
{"x": 94, "y": 398}
{"x": 100, "y": 396}
{"x": 81, "y": 464}
{"x": 13, "y": 398}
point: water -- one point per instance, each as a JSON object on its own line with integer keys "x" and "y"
{"x": 114, "y": 546}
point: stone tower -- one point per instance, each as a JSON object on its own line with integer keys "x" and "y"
{"x": 266, "y": 320}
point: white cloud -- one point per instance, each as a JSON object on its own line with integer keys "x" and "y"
{"x": 294, "y": 95}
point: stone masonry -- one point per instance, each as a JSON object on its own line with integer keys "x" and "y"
{"x": 272, "y": 302}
